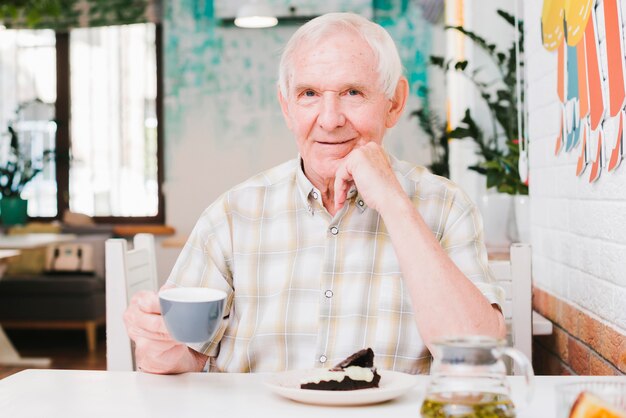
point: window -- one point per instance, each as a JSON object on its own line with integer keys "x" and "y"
{"x": 104, "y": 83}
{"x": 28, "y": 72}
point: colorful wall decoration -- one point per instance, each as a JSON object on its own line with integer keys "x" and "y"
{"x": 588, "y": 37}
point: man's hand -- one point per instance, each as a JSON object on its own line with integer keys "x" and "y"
{"x": 369, "y": 169}
{"x": 155, "y": 350}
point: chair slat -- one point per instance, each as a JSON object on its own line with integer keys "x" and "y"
{"x": 127, "y": 272}
{"x": 137, "y": 258}
{"x": 508, "y": 288}
{"x": 501, "y": 270}
{"x": 514, "y": 277}
{"x": 507, "y": 309}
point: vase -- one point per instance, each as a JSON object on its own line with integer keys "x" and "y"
{"x": 13, "y": 210}
{"x": 522, "y": 217}
{"x": 498, "y": 220}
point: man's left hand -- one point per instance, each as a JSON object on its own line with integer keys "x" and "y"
{"x": 368, "y": 168}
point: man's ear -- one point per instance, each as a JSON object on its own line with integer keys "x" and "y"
{"x": 284, "y": 106}
{"x": 398, "y": 102}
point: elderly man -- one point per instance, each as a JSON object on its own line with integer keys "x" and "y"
{"x": 343, "y": 248}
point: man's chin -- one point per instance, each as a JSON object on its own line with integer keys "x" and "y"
{"x": 325, "y": 168}
{"x": 331, "y": 154}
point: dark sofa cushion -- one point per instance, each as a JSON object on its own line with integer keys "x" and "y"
{"x": 52, "y": 297}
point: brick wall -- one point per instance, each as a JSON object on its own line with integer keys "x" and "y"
{"x": 581, "y": 343}
{"x": 578, "y": 235}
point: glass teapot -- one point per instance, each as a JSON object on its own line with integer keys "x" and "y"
{"x": 468, "y": 379}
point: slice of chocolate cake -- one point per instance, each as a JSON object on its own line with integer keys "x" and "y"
{"x": 355, "y": 372}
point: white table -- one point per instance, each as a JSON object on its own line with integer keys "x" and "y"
{"x": 30, "y": 241}
{"x": 10, "y": 245}
{"x": 74, "y": 393}
{"x": 5, "y": 256}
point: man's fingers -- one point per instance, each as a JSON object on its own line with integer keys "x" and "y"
{"x": 343, "y": 181}
{"x": 147, "y": 301}
{"x": 138, "y": 333}
{"x": 142, "y": 325}
{"x": 153, "y": 347}
{"x": 143, "y": 318}
{"x": 154, "y": 324}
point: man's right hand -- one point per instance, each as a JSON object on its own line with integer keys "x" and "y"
{"x": 155, "y": 350}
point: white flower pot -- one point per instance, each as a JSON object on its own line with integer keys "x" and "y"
{"x": 522, "y": 218}
{"x": 498, "y": 220}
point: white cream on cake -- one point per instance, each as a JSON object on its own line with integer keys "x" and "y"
{"x": 353, "y": 372}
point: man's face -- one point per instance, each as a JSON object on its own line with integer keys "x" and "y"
{"x": 335, "y": 102}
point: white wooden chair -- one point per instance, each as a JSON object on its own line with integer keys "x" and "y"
{"x": 127, "y": 271}
{"x": 514, "y": 276}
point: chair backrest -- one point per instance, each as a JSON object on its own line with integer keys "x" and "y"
{"x": 514, "y": 276}
{"x": 127, "y": 271}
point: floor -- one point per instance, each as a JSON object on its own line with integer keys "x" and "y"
{"x": 66, "y": 348}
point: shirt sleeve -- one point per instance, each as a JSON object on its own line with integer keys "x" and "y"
{"x": 463, "y": 240}
{"x": 205, "y": 262}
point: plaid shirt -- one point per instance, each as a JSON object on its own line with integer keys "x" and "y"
{"x": 307, "y": 289}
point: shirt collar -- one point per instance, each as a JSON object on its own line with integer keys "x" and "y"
{"x": 304, "y": 185}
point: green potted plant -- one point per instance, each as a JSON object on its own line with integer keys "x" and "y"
{"x": 436, "y": 130}
{"x": 17, "y": 169}
{"x": 499, "y": 149}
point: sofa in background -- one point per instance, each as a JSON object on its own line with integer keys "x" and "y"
{"x": 40, "y": 300}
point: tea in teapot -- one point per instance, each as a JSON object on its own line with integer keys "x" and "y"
{"x": 468, "y": 379}
{"x": 468, "y": 405}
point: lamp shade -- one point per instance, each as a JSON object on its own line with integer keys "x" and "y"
{"x": 255, "y": 14}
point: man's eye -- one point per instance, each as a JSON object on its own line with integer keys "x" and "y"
{"x": 309, "y": 93}
{"x": 353, "y": 92}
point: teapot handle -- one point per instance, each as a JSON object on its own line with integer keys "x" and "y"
{"x": 525, "y": 367}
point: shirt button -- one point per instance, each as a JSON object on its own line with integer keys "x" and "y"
{"x": 314, "y": 195}
{"x": 334, "y": 230}
{"x": 328, "y": 294}
{"x": 323, "y": 359}
{"x": 361, "y": 203}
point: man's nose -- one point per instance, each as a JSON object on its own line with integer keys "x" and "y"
{"x": 331, "y": 114}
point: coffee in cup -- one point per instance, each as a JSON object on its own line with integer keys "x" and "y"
{"x": 192, "y": 314}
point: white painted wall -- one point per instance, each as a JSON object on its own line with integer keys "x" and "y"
{"x": 578, "y": 229}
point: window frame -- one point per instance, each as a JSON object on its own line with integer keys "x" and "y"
{"x": 63, "y": 140}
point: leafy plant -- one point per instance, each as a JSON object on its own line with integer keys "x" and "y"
{"x": 437, "y": 132}
{"x": 63, "y": 14}
{"x": 31, "y": 12}
{"x": 499, "y": 149}
{"x": 18, "y": 169}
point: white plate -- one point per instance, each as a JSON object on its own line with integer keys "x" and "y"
{"x": 392, "y": 384}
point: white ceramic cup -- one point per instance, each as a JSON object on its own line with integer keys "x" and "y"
{"x": 192, "y": 314}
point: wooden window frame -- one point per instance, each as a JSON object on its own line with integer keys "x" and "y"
{"x": 63, "y": 140}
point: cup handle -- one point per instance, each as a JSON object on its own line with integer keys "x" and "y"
{"x": 525, "y": 366}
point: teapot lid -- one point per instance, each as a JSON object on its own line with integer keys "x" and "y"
{"x": 472, "y": 349}
{"x": 470, "y": 341}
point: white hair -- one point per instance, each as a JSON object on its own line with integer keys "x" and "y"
{"x": 385, "y": 51}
